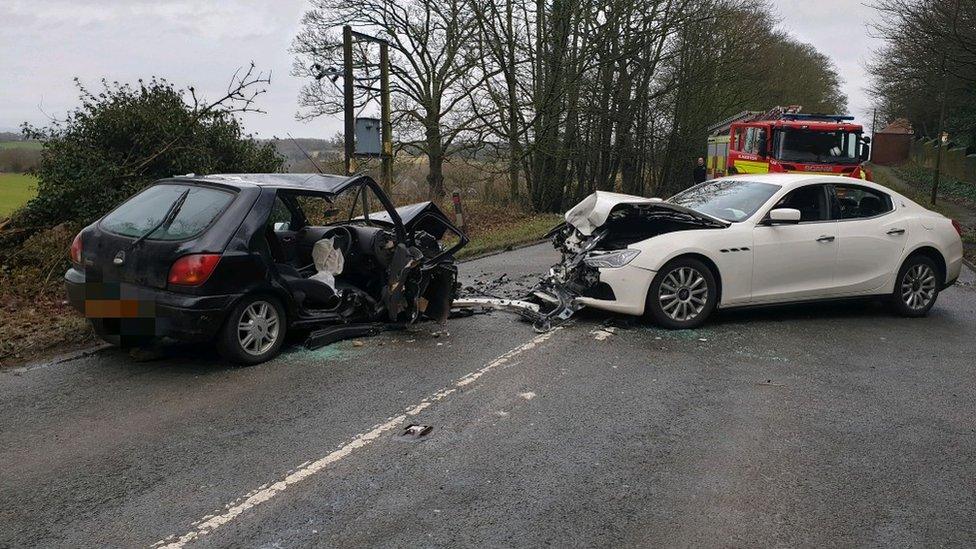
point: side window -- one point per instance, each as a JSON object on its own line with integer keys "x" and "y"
{"x": 280, "y": 218}
{"x": 810, "y": 200}
{"x": 853, "y": 202}
{"x": 754, "y": 138}
{"x": 750, "y": 141}
{"x": 738, "y": 139}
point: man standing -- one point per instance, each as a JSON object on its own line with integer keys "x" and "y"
{"x": 700, "y": 173}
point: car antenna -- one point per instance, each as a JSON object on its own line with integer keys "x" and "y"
{"x": 308, "y": 156}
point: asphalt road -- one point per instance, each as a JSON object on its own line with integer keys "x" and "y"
{"x": 823, "y": 425}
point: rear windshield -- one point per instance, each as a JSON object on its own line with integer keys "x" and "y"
{"x": 146, "y": 210}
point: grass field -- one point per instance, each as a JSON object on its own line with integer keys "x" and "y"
{"x": 32, "y": 145}
{"x": 15, "y": 190}
{"x": 531, "y": 228}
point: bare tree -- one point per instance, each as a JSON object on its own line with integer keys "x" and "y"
{"x": 434, "y": 70}
{"x": 928, "y": 62}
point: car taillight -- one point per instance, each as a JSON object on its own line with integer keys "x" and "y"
{"x": 193, "y": 270}
{"x": 957, "y": 227}
{"x": 75, "y": 252}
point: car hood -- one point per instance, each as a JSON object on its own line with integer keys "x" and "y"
{"x": 419, "y": 216}
{"x": 594, "y": 210}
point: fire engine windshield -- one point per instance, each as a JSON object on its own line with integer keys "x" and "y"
{"x": 837, "y": 147}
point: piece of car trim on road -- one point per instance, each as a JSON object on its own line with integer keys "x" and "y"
{"x": 268, "y": 491}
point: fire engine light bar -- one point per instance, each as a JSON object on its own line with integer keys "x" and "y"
{"x": 823, "y": 117}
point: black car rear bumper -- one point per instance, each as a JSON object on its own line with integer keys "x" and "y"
{"x": 121, "y": 311}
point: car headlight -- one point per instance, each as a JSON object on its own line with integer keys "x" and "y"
{"x": 611, "y": 260}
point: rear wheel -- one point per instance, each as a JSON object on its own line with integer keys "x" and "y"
{"x": 916, "y": 287}
{"x": 682, "y": 295}
{"x": 254, "y": 331}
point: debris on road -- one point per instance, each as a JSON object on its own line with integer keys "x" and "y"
{"x": 414, "y": 431}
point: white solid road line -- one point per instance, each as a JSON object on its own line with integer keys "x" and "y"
{"x": 268, "y": 491}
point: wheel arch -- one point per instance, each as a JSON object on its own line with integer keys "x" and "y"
{"x": 286, "y": 301}
{"x": 708, "y": 263}
{"x": 932, "y": 253}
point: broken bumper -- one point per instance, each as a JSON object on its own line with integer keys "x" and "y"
{"x": 626, "y": 293}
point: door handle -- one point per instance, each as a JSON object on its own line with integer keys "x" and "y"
{"x": 825, "y": 238}
{"x": 896, "y": 231}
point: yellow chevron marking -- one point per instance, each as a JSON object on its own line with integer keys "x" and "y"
{"x": 750, "y": 166}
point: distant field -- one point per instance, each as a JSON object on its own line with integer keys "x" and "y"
{"x": 15, "y": 190}
{"x": 32, "y": 145}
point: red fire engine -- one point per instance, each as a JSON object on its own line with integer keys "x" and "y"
{"x": 783, "y": 140}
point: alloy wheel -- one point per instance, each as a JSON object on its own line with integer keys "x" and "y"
{"x": 683, "y": 294}
{"x": 918, "y": 286}
{"x": 258, "y": 328}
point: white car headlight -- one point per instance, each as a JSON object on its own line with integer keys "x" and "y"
{"x": 611, "y": 260}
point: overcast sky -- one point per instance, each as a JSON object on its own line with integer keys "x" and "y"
{"x": 45, "y": 43}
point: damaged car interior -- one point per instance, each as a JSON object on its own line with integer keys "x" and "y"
{"x": 347, "y": 256}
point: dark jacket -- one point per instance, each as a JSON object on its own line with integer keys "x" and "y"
{"x": 700, "y": 174}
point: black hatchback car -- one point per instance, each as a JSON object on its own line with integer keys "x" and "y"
{"x": 229, "y": 258}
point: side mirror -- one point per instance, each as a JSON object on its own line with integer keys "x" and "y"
{"x": 866, "y": 151}
{"x": 282, "y": 226}
{"x": 783, "y": 216}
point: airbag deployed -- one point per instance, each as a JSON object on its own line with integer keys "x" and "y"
{"x": 328, "y": 261}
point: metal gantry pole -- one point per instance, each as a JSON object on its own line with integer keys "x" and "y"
{"x": 387, "y": 127}
{"x": 349, "y": 107}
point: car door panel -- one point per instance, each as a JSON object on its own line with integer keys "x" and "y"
{"x": 796, "y": 261}
{"x": 870, "y": 247}
{"x": 792, "y": 262}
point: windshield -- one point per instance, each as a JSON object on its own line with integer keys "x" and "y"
{"x": 146, "y": 210}
{"x": 838, "y": 147}
{"x": 349, "y": 205}
{"x": 727, "y": 199}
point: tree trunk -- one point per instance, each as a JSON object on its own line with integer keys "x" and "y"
{"x": 514, "y": 148}
{"x": 435, "y": 161}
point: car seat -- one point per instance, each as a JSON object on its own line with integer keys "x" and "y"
{"x": 305, "y": 291}
{"x": 870, "y": 206}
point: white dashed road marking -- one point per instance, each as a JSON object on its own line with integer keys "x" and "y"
{"x": 266, "y": 492}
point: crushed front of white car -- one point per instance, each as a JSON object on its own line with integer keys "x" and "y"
{"x": 598, "y": 243}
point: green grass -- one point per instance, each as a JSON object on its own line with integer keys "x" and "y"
{"x": 32, "y": 145}
{"x": 955, "y": 198}
{"x": 15, "y": 190}
{"x": 529, "y": 229}
{"x": 949, "y": 187}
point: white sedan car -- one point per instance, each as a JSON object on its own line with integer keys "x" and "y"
{"x": 752, "y": 240}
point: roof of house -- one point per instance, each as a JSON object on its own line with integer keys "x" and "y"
{"x": 898, "y": 126}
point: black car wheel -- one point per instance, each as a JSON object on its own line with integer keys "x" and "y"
{"x": 254, "y": 331}
{"x": 916, "y": 287}
{"x": 682, "y": 295}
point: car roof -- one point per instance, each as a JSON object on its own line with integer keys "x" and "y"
{"x": 791, "y": 180}
{"x": 315, "y": 182}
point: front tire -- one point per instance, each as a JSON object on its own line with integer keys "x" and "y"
{"x": 916, "y": 287}
{"x": 682, "y": 295}
{"x": 254, "y": 331}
